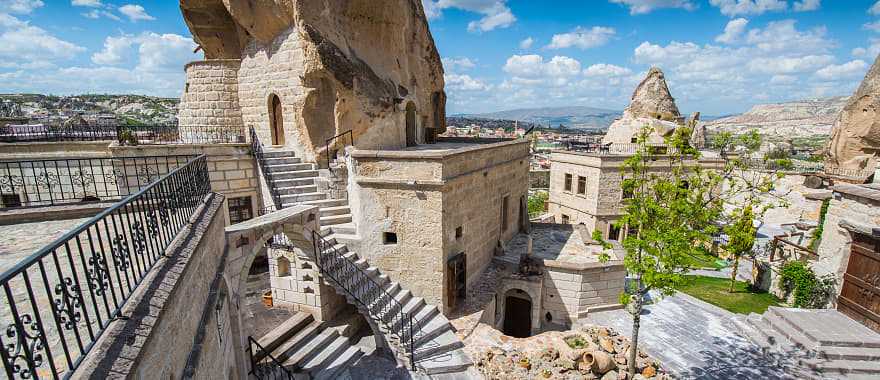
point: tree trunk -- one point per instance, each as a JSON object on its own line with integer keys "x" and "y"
{"x": 733, "y": 273}
{"x": 634, "y": 345}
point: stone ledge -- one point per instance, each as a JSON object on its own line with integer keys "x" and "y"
{"x": 57, "y": 212}
{"x": 432, "y": 155}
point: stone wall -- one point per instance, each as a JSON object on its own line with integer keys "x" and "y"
{"x": 296, "y": 285}
{"x": 210, "y": 96}
{"x": 571, "y": 292}
{"x": 53, "y": 150}
{"x": 425, "y": 198}
{"x": 231, "y": 167}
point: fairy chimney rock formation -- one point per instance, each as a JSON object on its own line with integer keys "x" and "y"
{"x": 326, "y": 67}
{"x": 855, "y": 136}
{"x": 651, "y": 105}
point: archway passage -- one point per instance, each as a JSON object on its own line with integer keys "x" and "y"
{"x": 276, "y": 120}
{"x": 517, "y": 317}
{"x": 410, "y": 124}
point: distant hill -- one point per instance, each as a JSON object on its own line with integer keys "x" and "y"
{"x": 803, "y": 118}
{"x": 130, "y": 109}
{"x": 571, "y": 117}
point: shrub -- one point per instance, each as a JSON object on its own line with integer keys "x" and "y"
{"x": 810, "y": 291}
{"x": 817, "y": 233}
{"x": 536, "y": 203}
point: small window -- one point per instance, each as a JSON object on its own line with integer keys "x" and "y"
{"x": 565, "y": 219}
{"x": 582, "y": 185}
{"x": 627, "y": 193}
{"x": 389, "y": 238}
{"x": 613, "y": 232}
{"x": 283, "y": 267}
{"x": 567, "y": 182}
{"x": 504, "y": 212}
{"x": 459, "y": 233}
{"x": 240, "y": 210}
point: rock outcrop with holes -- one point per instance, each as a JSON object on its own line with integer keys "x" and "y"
{"x": 855, "y": 137}
{"x": 334, "y": 65}
{"x": 652, "y": 105}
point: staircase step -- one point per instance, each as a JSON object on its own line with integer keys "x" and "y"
{"x": 294, "y": 174}
{"x": 343, "y": 361}
{"x": 850, "y": 353}
{"x": 296, "y": 189}
{"x": 327, "y": 354}
{"x": 326, "y": 202}
{"x": 282, "y": 160}
{"x": 282, "y": 168}
{"x": 278, "y": 153}
{"x": 843, "y": 366}
{"x": 440, "y": 345}
{"x": 453, "y": 361}
{"x": 292, "y": 199}
{"x": 344, "y": 228}
{"x": 311, "y": 349}
{"x": 432, "y": 329}
{"x": 284, "y": 331}
{"x": 335, "y": 210}
{"x": 278, "y": 183}
{"x": 333, "y": 220}
{"x": 781, "y": 326}
{"x": 288, "y": 348}
{"x": 768, "y": 337}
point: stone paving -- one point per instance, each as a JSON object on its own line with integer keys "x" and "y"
{"x": 696, "y": 340}
{"x": 19, "y": 241}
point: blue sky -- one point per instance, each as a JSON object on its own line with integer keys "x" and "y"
{"x": 720, "y": 56}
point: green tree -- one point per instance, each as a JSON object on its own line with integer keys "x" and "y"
{"x": 536, "y": 203}
{"x": 670, "y": 218}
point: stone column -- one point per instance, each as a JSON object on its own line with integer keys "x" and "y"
{"x": 210, "y": 98}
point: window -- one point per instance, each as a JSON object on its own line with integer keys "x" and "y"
{"x": 389, "y": 238}
{"x": 283, "y": 267}
{"x": 567, "y": 182}
{"x": 240, "y": 210}
{"x": 613, "y": 232}
{"x": 459, "y": 233}
{"x": 582, "y": 185}
{"x": 504, "y": 212}
{"x": 565, "y": 219}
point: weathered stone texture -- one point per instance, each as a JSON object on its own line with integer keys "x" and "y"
{"x": 651, "y": 106}
{"x": 210, "y": 96}
{"x": 855, "y": 136}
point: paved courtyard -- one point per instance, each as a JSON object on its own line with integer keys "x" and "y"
{"x": 696, "y": 340}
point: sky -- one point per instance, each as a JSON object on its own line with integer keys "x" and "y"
{"x": 720, "y": 56}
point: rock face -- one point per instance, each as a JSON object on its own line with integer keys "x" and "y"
{"x": 803, "y": 118}
{"x": 855, "y": 137}
{"x": 651, "y": 105}
{"x": 369, "y": 66}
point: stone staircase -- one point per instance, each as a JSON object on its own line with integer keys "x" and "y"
{"x": 826, "y": 341}
{"x": 296, "y": 183}
{"x": 311, "y": 349}
{"x": 437, "y": 349}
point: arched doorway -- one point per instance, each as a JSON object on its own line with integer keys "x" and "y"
{"x": 410, "y": 124}
{"x": 517, "y": 314}
{"x": 276, "y": 120}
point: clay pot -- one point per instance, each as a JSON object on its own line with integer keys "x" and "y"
{"x": 611, "y": 375}
{"x": 524, "y": 363}
{"x": 606, "y": 344}
{"x": 649, "y": 371}
{"x": 267, "y": 299}
{"x": 600, "y": 362}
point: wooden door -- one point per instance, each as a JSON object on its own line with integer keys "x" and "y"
{"x": 456, "y": 280}
{"x": 860, "y": 295}
{"x": 277, "y": 122}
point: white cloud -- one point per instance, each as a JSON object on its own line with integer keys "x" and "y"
{"x": 582, "y": 38}
{"x": 875, "y": 9}
{"x": 19, "y": 6}
{"x": 455, "y": 82}
{"x": 87, "y": 3}
{"x": 646, "y": 6}
{"x": 135, "y": 13}
{"x": 807, "y": 5}
{"x": 495, "y": 13}
{"x": 458, "y": 64}
{"x": 874, "y": 26}
{"x": 873, "y": 50}
{"x": 789, "y": 65}
{"x": 526, "y": 43}
{"x": 115, "y": 50}
{"x": 21, "y": 41}
{"x": 605, "y": 70}
{"x": 783, "y": 79}
{"x": 748, "y": 7}
{"x": 733, "y": 31}
{"x": 783, "y": 36}
{"x": 851, "y": 69}
{"x": 98, "y": 13}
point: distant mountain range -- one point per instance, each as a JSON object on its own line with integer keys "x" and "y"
{"x": 129, "y": 109}
{"x": 803, "y": 118}
{"x": 571, "y": 117}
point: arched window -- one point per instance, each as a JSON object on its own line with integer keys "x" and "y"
{"x": 283, "y": 267}
{"x": 276, "y": 120}
{"x": 410, "y": 124}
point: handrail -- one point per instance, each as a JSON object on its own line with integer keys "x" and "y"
{"x": 327, "y": 144}
{"x": 257, "y": 148}
{"x": 367, "y": 292}
{"x": 271, "y": 368}
{"x": 60, "y": 300}
{"x": 142, "y": 134}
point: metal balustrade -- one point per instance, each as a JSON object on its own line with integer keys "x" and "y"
{"x": 264, "y": 366}
{"x": 56, "y": 303}
{"x": 126, "y": 134}
{"x": 80, "y": 180}
{"x": 257, "y": 149}
{"x": 371, "y": 296}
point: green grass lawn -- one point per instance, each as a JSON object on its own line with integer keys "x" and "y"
{"x": 703, "y": 260}
{"x": 742, "y": 301}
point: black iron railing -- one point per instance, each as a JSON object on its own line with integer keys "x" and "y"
{"x": 335, "y": 139}
{"x": 78, "y": 180}
{"x": 57, "y": 302}
{"x": 263, "y": 364}
{"x": 371, "y": 296}
{"x": 126, "y": 134}
{"x": 257, "y": 148}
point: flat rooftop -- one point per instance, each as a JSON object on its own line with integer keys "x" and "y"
{"x": 443, "y": 148}
{"x": 560, "y": 245}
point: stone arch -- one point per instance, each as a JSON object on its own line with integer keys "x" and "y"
{"x": 518, "y": 307}
{"x": 411, "y": 131}
{"x": 276, "y": 119}
{"x": 283, "y": 266}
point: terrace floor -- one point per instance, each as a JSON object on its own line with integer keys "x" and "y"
{"x": 19, "y": 241}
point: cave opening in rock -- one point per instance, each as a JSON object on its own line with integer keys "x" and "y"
{"x": 410, "y": 124}
{"x": 517, "y": 314}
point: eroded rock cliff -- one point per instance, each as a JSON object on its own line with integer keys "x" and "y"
{"x": 652, "y": 105}
{"x": 855, "y": 136}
